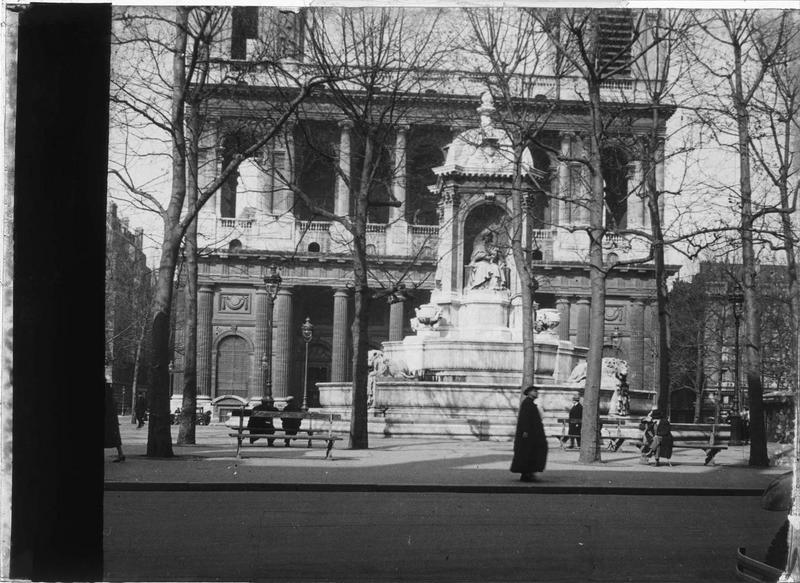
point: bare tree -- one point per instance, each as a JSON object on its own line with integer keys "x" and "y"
{"x": 377, "y": 62}
{"x": 748, "y": 43}
{"x": 170, "y": 53}
{"x": 579, "y": 35}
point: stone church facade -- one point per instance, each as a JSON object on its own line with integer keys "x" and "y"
{"x": 254, "y": 222}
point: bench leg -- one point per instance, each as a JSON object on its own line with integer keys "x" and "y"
{"x": 710, "y": 455}
{"x": 329, "y": 448}
{"x": 238, "y": 447}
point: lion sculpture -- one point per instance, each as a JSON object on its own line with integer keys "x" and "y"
{"x": 380, "y": 366}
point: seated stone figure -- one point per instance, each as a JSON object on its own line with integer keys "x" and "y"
{"x": 486, "y": 264}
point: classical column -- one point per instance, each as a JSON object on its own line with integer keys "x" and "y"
{"x": 580, "y": 189}
{"x": 282, "y": 344}
{"x": 582, "y": 338}
{"x": 563, "y": 181}
{"x": 562, "y": 305}
{"x": 340, "y": 336}
{"x": 261, "y": 360}
{"x": 342, "y": 203}
{"x": 396, "y": 321}
{"x": 637, "y": 206}
{"x": 399, "y": 177}
{"x": 636, "y": 356}
{"x": 205, "y": 313}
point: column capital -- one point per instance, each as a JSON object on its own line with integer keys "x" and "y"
{"x": 286, "y": 291}
{"x": 635, "y": 300}
{"x": 341, "y": 291}
{"x": 207, "y": 288}
{"x": 582, "y": 300}
{"x": 403, "y": 128}
{"x": 346, "y": 124}
{"x": 562, "y": 300}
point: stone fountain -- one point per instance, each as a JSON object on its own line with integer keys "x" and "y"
{"x": 459, "y": 374}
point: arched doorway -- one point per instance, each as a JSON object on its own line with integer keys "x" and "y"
{"x": 233, "y": 366}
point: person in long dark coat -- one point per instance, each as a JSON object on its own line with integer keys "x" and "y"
{"x": 575, "y": 422}
{"x": 530, "y": 442}
{"x": 662, "y": 438}
{"x": 111, "y": 437}
{"x": 140, "y": 409}
{"x": 289, "y": 424}
{"x": 262, "y": 425}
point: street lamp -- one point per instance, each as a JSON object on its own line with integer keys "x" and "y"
{"x": 736, "y": 299}
{"x": 272, "y": 283}
{"x": 307, "y": 330}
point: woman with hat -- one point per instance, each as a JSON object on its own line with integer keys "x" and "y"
{"x": 530, "y": 443}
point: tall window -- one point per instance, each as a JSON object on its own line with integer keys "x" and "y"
{"x": 233, "y": 366}
{"x": 615, "y": 176}
{"x": 244, "y": 27}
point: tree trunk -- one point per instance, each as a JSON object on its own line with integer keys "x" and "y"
{"x": 359, "y": 423}
{"x": 590, "y": 430}
{"x": 520, "y": 251}
{"x": 159, "y": 438}
{"x": 652, "y": 158}
{"x": 752, "y": 316}
{"x": 699, "y": 378}
{"x": 186, "y": 432}
{"x": 794, "y": 294}
{"x": 135, "y": 381}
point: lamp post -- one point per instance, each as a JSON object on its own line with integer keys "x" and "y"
{"x": 736, "y": 299}
{"x": 307, "y": 330}
{"x": 272, "y": 283}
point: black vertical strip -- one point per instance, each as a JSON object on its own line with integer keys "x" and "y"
{"x": 59, "y": 250}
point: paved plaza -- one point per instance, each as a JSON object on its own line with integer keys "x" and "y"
{"x": 434, "y": 462}
{"x": 425, "y": 510}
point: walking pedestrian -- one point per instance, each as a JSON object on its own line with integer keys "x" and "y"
{"x": 262, "y": 425}
{"x": 575, "y": 422}
{"x": 530, "y": 442}
{"x": 290, "y": 424}
{"x": 140, "y": 409}
{"x": 661, "y": 445}
{"x": 111, "y": 436}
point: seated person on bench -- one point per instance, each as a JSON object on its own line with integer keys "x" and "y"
{"x": 262, "y": 425}
{"x": 657, "y": 431}
{"x": 290, "y": 425}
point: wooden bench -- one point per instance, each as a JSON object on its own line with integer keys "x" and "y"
{"x": 612, "y": 425}
{"x": 710, "y": 450}
{"x": 748, "y": 569}
{"x": 310, "y": 433}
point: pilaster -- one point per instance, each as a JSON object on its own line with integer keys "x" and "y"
{"x": 582, "y": 336}
{"x": 205, "y": 338}
{"x": 562, "y": 305}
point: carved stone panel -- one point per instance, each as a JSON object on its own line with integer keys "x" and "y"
{"x": 616, "y": 315}
{"x": 230, "y": 303}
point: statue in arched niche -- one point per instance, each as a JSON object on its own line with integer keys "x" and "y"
{"x": 487, "y": 263}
